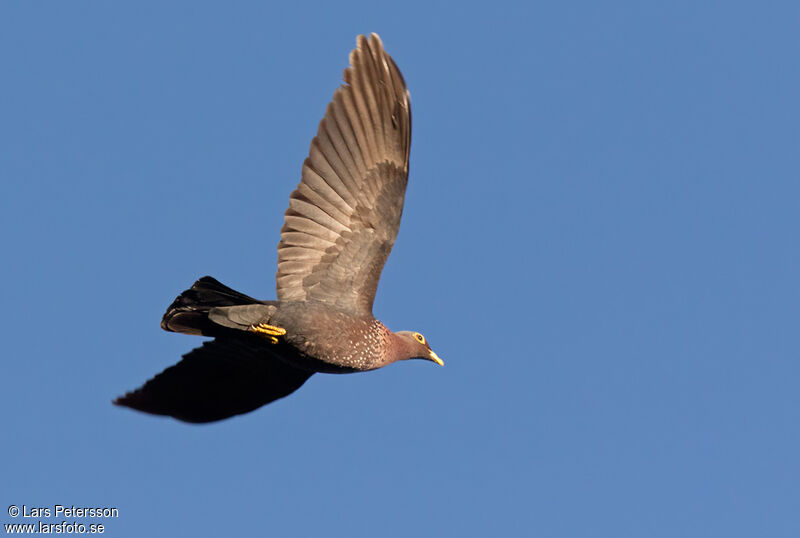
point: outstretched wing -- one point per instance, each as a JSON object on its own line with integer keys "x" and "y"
{"x": 222, "y": 378}
{"x": 343, "y": 218}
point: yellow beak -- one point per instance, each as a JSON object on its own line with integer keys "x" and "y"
{"x": 435, "y": 358}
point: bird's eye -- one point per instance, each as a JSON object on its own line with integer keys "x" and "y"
{"x": 420, "y": 338}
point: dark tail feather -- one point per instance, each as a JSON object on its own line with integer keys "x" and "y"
{"x": 188, "y": 314}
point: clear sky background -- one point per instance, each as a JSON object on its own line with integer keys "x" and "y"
{"x": 600, "y": 239}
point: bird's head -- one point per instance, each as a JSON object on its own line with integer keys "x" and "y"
{"x": 415, "y": 346}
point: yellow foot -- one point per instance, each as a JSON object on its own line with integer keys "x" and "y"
{"x": 270, "y": 331}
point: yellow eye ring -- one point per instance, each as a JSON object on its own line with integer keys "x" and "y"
{"x": 420, "y": 338}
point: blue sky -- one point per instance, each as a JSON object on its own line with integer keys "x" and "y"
{"x": 599, "y": 238}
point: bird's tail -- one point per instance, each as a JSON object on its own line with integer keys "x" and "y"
{"x": 188, "y": 313}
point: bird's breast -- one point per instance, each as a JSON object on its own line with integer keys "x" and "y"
{"x": 332, "y": 341}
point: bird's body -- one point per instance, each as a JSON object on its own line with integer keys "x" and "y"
{"x": 322, "y": 338}
{"x": 339, "y": 229}
{"x": 333, "y": 341}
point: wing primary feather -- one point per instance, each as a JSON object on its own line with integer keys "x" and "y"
{"x": 346, "y": 129}
{"x": 363, "y": 115}
{"x": 328, "y": 150}
{"x": 339, "y": 142}
{"x": 322, "y": 203}
{"x": 317, "y": 215}
{"x": 371, "y": 82}
{"x": 319, "y": 165}
{"x": 341, "y": 198}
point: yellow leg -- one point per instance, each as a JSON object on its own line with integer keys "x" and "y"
{"x": 270, "y": 331}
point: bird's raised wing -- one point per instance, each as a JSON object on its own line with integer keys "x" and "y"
{"x": 343, "y": 218}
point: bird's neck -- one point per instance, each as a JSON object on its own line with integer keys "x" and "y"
{"x": 399, "y": 348}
